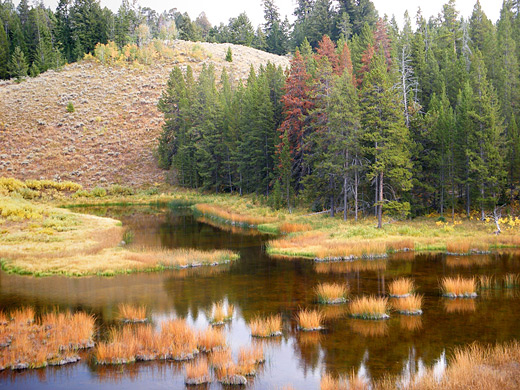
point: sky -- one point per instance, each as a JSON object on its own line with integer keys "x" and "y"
{"x": 219, "y": 11}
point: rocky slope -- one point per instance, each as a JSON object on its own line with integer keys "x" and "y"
{"x": 111, "y": 135}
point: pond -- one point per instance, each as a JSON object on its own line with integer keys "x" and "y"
{"x": 259, "y": 285}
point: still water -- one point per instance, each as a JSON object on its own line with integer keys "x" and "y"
{"x": 260, "y": 285}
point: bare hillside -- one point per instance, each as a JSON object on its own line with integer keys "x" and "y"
{"x": 111, "y": 135}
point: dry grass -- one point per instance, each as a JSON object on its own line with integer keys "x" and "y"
{"x": 248, "y": 359}
{"x": 486, "y": 282}
{"x": 54, "y": 339}
{"x": 371, "y": 307}
{"x": 130, "y": 313}
{"x": 266, "y": 327}
{"x": 466, "y": 246}
{"x": 197, "y": 373}
{"x": 309, "y": 320}
{"x": 220, "y": 358}
{"x": 288, "y": 227}
{"x": 331, "y": 292}
{"x": 353, "y": 382}
{"x": 210, "y": 340}
{"x": 401, "y": 287}
{"x": 409, "y": 305}
{"x": 219, "y": 212}
{"x": 459, "y": 287}
{"x": 460, "y": 305}
{"x": 221, "y": 313}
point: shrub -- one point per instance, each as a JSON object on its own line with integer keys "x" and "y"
{"x": 70, "y": 107}
{"x": 98, "y": 192}
{"x": 117, "y": 189}
{"x": 11, "y": 184}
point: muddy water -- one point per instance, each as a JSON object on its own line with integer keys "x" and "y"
{"x": 257, "y": 284}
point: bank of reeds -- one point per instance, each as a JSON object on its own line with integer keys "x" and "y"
{"x": 131, "y": 313}
{"x": 309, "y": 320}
{"x": 369, "y": 308}
{"x": 220, "y": 313}
{"x": 53, "y": 339}
{"x": 266, "y": 327}
{"x": 331, "y": 293}
{"x": 230, "y": 217}
{"x": 458, "y": 287}
{"x": 409, "y": 305}
{"x": 401, "y": 288}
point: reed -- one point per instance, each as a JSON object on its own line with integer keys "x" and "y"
{"x": 454, "y": 287}
{"x": 266, "y": 327}
{"x": 401, "y": 287}
{"x": 197, "y": 373}
{"x": 130, "y": 313}
{"x": 220, "y": 358}
{"x": 511, "y": 280}
{"x": 309, "y": 320}
{"x": 220, "y": 313}
{"x": 486, "y": 282}
{"x": 210, "y": 340}
{"x": 331, "y": 293}
{"x": 410, "y": 305}
{"x": 369, "y": 308}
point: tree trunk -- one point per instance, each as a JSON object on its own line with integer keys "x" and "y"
{"x": 380, "y": 206}
{"x": 345, "y": 197}
{"x": 356, "y": 194}
{"x": 331, "y": 197}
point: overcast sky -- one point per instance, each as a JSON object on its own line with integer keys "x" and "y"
{"x": 221, "y": 10}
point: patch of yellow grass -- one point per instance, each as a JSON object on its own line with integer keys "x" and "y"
{"x": 288, "y": 227}
{"x": 331, "y": 292}
{"x": 227, "y": 216}
{"x": 221, "y": 313}
{"x": 370, "y": 307}
{"x": 352, "y": 382}
{"x": 459, "y": 286}
{"x": 266, "y": 327}
{"x": 220, "y": 358}
{"x": 197, "y": 373}
{"x": 309, "y": 319}
{"x": 211, "y": 339}
{"x": 401, "y": 287}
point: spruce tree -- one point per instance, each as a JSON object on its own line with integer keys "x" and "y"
{"x": 18, "y": 64}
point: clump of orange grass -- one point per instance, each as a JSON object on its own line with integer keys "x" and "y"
{"x": 210, "y": 340}
{"x": 230, "y": 374}
{"x": 53, "y": 339}
{"x": 353, "y": 382}
{"x": 220, "y": 358}
{"x": 331, "y": 293}
{"x": 220, "y": 313}
{"x": 405, "y": 244}
{"x": 459, "y": 287}
{"x": 130, "y": 313}
{"x": 410, "y": 305}
{"x": 197, "y": 373}
{"x": 178, "y": 340}
{"x": 288, "y": 227}
{"x": 214, "y": 211}
{"x": 369, "y": 308}
{"x": 121, "y": 349}
{"x": 249, "y": 358}
{"x": 460, "y": 306}
{"x": 266, "y": 327}
{"x": 511, "y": 280}
{"x": 401, "y": 287}
{"x": 309, "y": 320}
{"x": 462, "y": 247}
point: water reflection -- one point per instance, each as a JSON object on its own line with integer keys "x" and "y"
{"x": 460, "y": 305}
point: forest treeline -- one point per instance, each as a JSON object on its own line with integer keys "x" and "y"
{"x": 382, "y": 120}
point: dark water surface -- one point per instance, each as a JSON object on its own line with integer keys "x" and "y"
{"x": 257, "y": 284}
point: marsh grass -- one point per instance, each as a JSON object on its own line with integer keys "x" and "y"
{"x": 211, "y": 340}
{"x": 197, "y": 373}
{"x": 130, "y": 313}
{"x": 266, "y": 327}
{"x": 221, "y": 313}
{"x": 227, "y": 216}
{"x": 369, "y": 308}
{"x": 331, "y": 293}
{"x": 220, "y": 358}
{"x": 410, "y": 305}
{"x": 487, "y": 282}
{"x": 53, "y": 339}
{"x": 458, "y": 286}
{"x": 350, "y": 382}
{"x": 401, "y": 287}
{"x": 309, "y": 320}
{"x": 249, "y": 358}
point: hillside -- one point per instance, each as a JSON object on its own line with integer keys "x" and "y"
{"x": 111, "y": 135}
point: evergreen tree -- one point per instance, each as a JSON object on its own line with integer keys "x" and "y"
{"x": 18, "y": 64}
{"x": 4, "y": 53}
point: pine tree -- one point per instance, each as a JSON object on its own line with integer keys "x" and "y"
{"x": 18, "y": 65}
{"x": 4, "y": 53}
